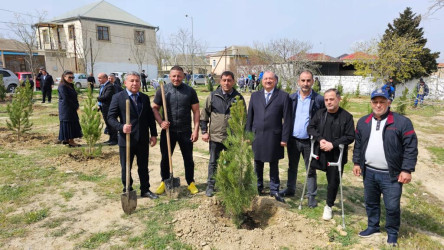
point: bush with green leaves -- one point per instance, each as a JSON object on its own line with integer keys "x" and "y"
{"x": 19, "y": 110}
{"x": 288, "y": 88}
{"x": 235, "y": 178}
{"x": 2, "y": 89}
{"x": 340, "y": 88}
{"x": 317, "y": 86}
{"x": 358, "y": 91}
{"x": 210, "y": 84}
{"x": 345, "y": 102}
{"x": 91, "y": 124}
{"x": 402, "y": 102}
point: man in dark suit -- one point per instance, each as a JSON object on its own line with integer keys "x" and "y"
{"x": 46, "y": 83}
{"x": 106, "y": 93}
{"x": 305, "y": 102}
{"x": 269, "y": 114}
{"x": 142, "y": 123}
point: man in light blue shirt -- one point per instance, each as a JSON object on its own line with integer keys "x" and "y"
{"x": 305, "y": 103}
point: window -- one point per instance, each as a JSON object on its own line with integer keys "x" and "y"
{"x": 71, "y": 32}
{"x": 4, "y": 73}
{"x": 139, "y": 36}
{"x": 214, "y": 63}
{"x": 103, "y": 33}
{"x": 45, "y": 36}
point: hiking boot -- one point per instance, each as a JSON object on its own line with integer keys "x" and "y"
{"x": 193, "y": 189}
{"x": 328, "y": 213}
{"x": 369, "y": 232}
{"x": 209, "y": 192}
{"x": 161, "y": 188}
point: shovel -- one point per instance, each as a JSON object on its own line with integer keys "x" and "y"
{"x": 129, "y": 198}
{"x": 171, "y": 182}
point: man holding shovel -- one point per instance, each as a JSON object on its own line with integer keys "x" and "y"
{"x": 181, "y": 100}
{"x": 141, "y": 124}
{"x": 330, "y": 127}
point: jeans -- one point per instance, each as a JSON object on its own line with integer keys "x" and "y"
{"x": 296, "y": 147}
{"x": 186, "y": 147}
{"x": 375, "y": 184}
{"x": 419, "y": 98}
{"x": 215, "y": 149}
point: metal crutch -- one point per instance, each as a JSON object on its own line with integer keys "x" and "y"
{"x": 312, "y": 155}
{"x": 339, "y": 165}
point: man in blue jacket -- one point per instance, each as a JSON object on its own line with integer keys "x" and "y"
{"x": 385, "y": 153}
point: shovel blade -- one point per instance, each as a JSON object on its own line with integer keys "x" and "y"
{"x": 129, "y": 202}
{"x": 172, "y": 182}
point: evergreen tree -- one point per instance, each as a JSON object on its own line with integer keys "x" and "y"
{"x": 91, "y": 124}
{"x": 407, "y": 25}
{"x": 210, "y": 84}
{"x": 2, "y": 89}
{"x": 19, "y": 110}
{"x": 235, "y": 178}
{"x": 402, "y": 102}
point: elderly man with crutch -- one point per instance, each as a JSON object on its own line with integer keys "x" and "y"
{"x": 332, "y": 129}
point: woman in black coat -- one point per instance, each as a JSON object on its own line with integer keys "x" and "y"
{"x": 68, "y": 106}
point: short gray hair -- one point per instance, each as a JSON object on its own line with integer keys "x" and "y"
{"x": 269, "y": 71}
{"x": 337, "y": 93}
{"x": 131, "y": 73}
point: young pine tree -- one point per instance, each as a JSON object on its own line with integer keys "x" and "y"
{"x": 19, "y": 110}
{"x": 210, "y": 84}
{"x": 91, "y": 124}
{"x": 235, "y": 178}
{"x": 402, "y": 102}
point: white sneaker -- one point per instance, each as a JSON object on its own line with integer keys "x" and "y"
{"x": 328, "y": 214}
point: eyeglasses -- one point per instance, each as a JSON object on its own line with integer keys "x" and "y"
{"x": 70, "y": 77}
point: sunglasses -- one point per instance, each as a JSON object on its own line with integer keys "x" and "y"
{"x": 70, "y": 77}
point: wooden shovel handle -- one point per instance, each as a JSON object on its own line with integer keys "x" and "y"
{"x": 165, "y": 115}
{"x": 128, "y": 136}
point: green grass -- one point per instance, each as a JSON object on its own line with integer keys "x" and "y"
{"x": 438, "y": 154}
{"x": 97, "y": 239}
{"x": 67, "y": 194}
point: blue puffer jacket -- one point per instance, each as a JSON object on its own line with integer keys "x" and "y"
{"x": 399, "y": 140}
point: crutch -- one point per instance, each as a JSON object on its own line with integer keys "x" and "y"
{"x": 339, "y": 165}
{"x": 312, "y": 155}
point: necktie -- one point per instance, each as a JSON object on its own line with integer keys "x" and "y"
{"x": 267, "y": 98}
{"x": 134, "y": 97}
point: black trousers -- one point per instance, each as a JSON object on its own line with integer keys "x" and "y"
{"x": 274, "y": 175}
{"x": 144, "y": 86}
{"x": 186, "y": 147}
{"x": 46, "y": 92}
{"x": 141, "y": 152}
{"x": 333, "y": 184}
{"x": 215, "y": 149}
{"x": 112, "y": 133}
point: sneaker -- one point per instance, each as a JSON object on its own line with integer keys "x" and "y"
{"x": 328, "y": 213}
{"x": 161, "y": 188}
{"x": 369, "y": 232}
{"x": 392, "y": 240}
{"x": 193, "y": 189}
{"x": 209, "y": 192}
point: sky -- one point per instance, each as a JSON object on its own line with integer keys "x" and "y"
{"x": 332, "y": 27}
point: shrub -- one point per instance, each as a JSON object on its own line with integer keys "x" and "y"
{"x": 91, "y": 124}
{"x": 358, "y": 91}
{"x": 402, "y": 102}
{"x": 2, "y": 89}
{"x": 19, "y": 110}
{"x": 345, "y": 102}
{"x": 210, "y": 84}
{"x": 235, "y": 178}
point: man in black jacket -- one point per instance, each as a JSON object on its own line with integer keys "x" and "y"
{"x": 330, "y": 127}
{"x": 106, "y": 93}
{"x": 217, "y": 112}
{"x": 385, "y": 153}
{"x": 46, "y": 83}
{"x": 305, "y": 103}
{"x": 181, "y": 100}
{"x": 142, "y": 123}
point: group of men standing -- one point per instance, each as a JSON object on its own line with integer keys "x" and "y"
{"x": 385, "y": 148}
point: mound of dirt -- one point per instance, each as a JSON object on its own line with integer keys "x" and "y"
{"x": 207, "y": 227}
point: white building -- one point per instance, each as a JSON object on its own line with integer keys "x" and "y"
{"x": 98, "y": 37}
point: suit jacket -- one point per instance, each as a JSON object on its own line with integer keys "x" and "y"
{"x": 46, "y": 82}
{"x": 265, "y": 121}
{"x": 142, "y": 123}
{"x": 106, "y": 96}
{"x": 68, "y": 103}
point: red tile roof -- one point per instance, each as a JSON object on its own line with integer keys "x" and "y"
{"x": 358, "y": 55}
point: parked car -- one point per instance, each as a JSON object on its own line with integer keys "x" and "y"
{"x": 22, "y": 76}
{"x": 10, "y": 80}
{"x": 199, "y": 79}
{"x": 165, "y": 78}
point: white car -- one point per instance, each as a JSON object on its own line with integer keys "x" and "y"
{"x": 10, "y": 80}
{"x": 199, "y": 79}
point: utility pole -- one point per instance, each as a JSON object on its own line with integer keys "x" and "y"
{"x": 75, "y": 53}
{"x": 91, "y": 52}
